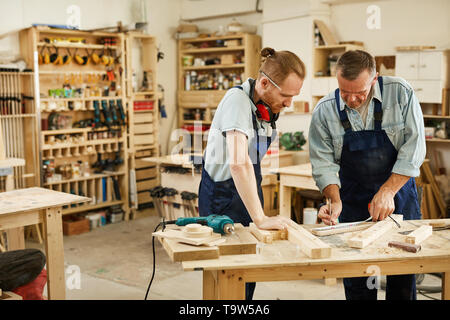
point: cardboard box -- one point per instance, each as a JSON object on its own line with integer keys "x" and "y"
{"x": 226, "y": 59}
{"x": 73, "y": 227}
{"x": 232, "y": 43}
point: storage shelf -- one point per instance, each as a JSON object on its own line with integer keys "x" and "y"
{"x": 73, "y": 131}
{"x": 212, "y": 50}
{"x": 91, "y": 177}
{"x": 207, "y": 39}
{"x": 215, "y": 66}
{"x": 197, "y": 121}
{"x": 76, "y": 45}
{"x": 429, "y": 116}
{"x": 144, "y": 93}
{"x": 51, "y": 72}
{"x": 78, "y": 99}
{"x": 89, "y": 207}
{"x": 437, "y": 140}
{"x": 9, "y": 73}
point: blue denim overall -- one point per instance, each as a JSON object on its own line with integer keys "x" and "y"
{"x": 367, "y": 159}
{"x": 222, "y": 197}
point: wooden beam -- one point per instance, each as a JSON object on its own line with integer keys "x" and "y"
{"x": 312, "y": 246}
{"x": 267, "y": 236}
{"x": 419, "y": 235}
{"x": 366, "y": 237}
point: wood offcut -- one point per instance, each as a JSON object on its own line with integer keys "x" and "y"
{"x": 366, "y": 237}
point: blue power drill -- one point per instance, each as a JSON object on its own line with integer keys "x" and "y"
{"x": 219, "y": 224}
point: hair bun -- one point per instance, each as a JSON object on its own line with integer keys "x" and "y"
{"x": 267, "y": 52}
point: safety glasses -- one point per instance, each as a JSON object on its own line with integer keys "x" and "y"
{"x": 271, "y": 81}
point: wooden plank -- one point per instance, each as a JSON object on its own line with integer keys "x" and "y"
{"x": 54, "y": 251}
{"x": 231, "y": 285}
{"x": 326, "y": 33}
{"x": 34, "y": 199}
{"x": 210, "y": 289}
{"x": 182, "y": 252}
{"x": 144, "y": 139}
{"x": 433, "y": 210}
{"x": 419, "y": 235}
{"x": 446, "y": 285}
{"x": 143, "y": 128}
{"x": 146, "y": 184}
{"x": 312, "y": 246}
{"x": 142, "y": 174}
{"x": 366, "y": 237}
{"x": 180, "y": 237}
{"x": 241, "y": 242}
{"x": 267, "y": 236}
{"x": 430, "y": 177}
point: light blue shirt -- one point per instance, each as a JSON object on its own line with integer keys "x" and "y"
{"x": 234, "y": 112}
{"x": 402, "y": 121}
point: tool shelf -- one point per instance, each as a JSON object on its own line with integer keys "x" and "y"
{"x": 77, "y": 45}
{"x": 237, "y": 57}
{"x": 67, "y": 147}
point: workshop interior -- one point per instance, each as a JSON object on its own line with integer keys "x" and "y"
{"x": 114, "y": 114}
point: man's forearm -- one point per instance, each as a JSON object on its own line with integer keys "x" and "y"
{"x": 395, "y": 183}
{"x": 245, "y": 181}
{"x": 332, "y": 192}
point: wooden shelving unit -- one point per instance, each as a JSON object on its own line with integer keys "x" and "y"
{"x": 143, "y": 132}
{"x": 236, "y": 58}
{"x": 324, "y": 79}
{"x": 19, "y": 122}
{"x": 76, "y": 151}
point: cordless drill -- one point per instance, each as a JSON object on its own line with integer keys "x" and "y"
{"x": 219, "y": 224}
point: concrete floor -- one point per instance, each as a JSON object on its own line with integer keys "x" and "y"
{"x": 114, "y": 262}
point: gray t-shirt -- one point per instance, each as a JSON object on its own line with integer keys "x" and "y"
{"x": 234, "y": 112}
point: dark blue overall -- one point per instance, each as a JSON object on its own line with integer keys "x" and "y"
{"x": 222, "y": 197}
{"x": 367, "y": 159}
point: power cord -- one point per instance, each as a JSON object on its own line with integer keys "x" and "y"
{"x": 163, "y": 225}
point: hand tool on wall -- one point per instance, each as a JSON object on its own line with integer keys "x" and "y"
{"x": 96, "y": 114}
{"x": 106, "y": 113}
{"x": 113, "y": 111}
{"x": 121, "y": 112}
{"x": 116, "y": 188}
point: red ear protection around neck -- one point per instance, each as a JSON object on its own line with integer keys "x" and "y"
{"x": 264, "y": 112}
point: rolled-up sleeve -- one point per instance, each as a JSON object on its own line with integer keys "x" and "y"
{"x": 412, "y": 153}
{"x": 321, "y": 152}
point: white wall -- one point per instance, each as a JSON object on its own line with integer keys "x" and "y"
{"x": 403, "y": 23}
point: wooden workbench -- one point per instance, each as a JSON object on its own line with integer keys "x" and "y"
{"x": 24, "y": 207}
{"x": 224, "y": 278}
{"x": 298, "y": 176}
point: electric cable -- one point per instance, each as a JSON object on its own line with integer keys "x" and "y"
{"x": 163, "y": 224}
{"x": 154, "y": 256}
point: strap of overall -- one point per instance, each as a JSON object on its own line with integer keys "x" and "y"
{"x": 377, "y": 114}
{"x": 255, "y": 126}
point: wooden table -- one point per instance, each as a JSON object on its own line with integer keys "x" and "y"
{"x": 298, "y": 176}
{"x": 23, "y": 207}
{"x": 224, "y": 278}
